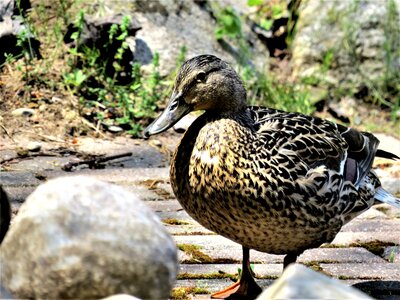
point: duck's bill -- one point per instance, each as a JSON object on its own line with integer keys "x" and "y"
{"x": 176, "y": 109}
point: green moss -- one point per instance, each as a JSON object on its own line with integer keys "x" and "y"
{"x": 216, "y": 275}
{"x": 314, "y": 265}
{"x": 193, "y": 233}
{"x": 194, "y": 252}
{"x": 173, "y": 221}
{"x": 376, "y": 247}
{"x": 383, "y": 209}
{"x": 184, "y": 293}
{"x": 343, "y": 277}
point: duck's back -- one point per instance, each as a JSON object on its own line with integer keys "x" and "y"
{"x": 273, "y": 181}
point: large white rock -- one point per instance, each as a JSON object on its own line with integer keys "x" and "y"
{"x": 300, "y": 282}
{"x": 79, "y": 238}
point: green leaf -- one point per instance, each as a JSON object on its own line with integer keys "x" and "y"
{"x": 277, "y": 11}
{"x": 266, "y": 24}
{"x": 254, "y": 2}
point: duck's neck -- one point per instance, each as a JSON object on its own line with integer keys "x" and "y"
{"x": 242, "y": 116}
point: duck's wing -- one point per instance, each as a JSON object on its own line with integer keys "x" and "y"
{"x": 319, "y": 142}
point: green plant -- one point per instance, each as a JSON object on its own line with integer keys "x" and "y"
{"x": 74, "y": 80}
{"x": 229, "y": 28}
{"x": 272, "y": 93}
{"x": 228, "y": 24}
{"x": 96, "y": 80}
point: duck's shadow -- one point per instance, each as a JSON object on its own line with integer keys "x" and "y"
{"x": 388, "y": 290}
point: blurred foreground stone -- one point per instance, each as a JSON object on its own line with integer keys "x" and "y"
{"x": 79, "y": 238}
{"x": 121, "y": 297}
{"x": 299, "y": 282}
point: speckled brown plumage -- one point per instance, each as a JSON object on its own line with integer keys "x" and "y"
{"x": 269, "y": 180}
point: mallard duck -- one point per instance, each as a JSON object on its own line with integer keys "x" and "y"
{"x": 274, "y": 181}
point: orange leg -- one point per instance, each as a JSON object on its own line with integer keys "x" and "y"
{"x": 246, "y": 287}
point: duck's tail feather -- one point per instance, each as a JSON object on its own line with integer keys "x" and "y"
{"x": 386, "y": 154}
{"x": 383, "y": 196}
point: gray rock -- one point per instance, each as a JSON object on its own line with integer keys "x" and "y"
{"x": 169, "y": 25}
{"x": 34, "y": 146}
{"x": 299, "y": 282}
{"x": 77, "y": 237}
{"x": 11, "y": 7}
{"x": 23, "y": 112}
{"x": 95, "y": 34}
{"x": 4, "y": 294}
{"x": 355, "y": 33}
{"x": 11, "y": 28}
{"x": 6, "y": 8}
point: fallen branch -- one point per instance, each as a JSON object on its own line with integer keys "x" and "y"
{"x": 93, "y": 163}
{"x": 7, "y": 133}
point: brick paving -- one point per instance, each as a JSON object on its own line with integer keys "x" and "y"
{"x": 355, "y": 256}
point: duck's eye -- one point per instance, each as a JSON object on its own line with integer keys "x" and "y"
{"x": 201, "y": 77}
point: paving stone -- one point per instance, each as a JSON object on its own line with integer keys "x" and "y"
{"x": 374, "y": 225}
{"x": 17, "y": 179}
{"x": 166, "y": 206}
{"x": 121, "y": 176}
{"x": 207, "y": 242}
{"x": 179, "y": 215}
{"x": 183, "y": 256}
{"x": 371, "y": 213}
{"x": 380, "y": 223}
{"x": 261, "y": 270}
{"x": 385, "y": 271}
{"x": 348, "y": 238}
{"x": 388, "y": 210}
{"x": 188, "y": 230}
{"x": 40, "y": 164}
{"x": 376, "y": 288}
{"x": 339, "y": 255}
{"x": 220, "y": 248}
{"x": 143, "y": 193}
{"x": 18, "y": 194}
{"x": 214, "y": 285}
{"x": 392, "y": 254}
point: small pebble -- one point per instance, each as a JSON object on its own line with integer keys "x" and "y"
{"x": 113, "y": 128}
{"x": 23, "y": 112}
{"x": 155, "y": 143}
{"x": 34, "y": 146}
{"x": 55, "y": 99}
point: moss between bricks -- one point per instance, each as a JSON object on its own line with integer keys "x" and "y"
{"x": 375, "y": 247}
{"x": 193, "y": 233}
{"x": 220, "y": 275}
{"x": 372, "y": 246}
{"x": 382, "y": 209}
{"x": 216, "y": 275}
{"x": 314, "y": 265}
{"x": 173, "y": 221}
{"x": 344, "y": 277}
{"x": 199, "y": 257}
{"x": 194, "y": 252}
{"x": 183, "y": 293}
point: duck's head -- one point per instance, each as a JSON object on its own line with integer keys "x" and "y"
{"x": 203, "y": 82}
